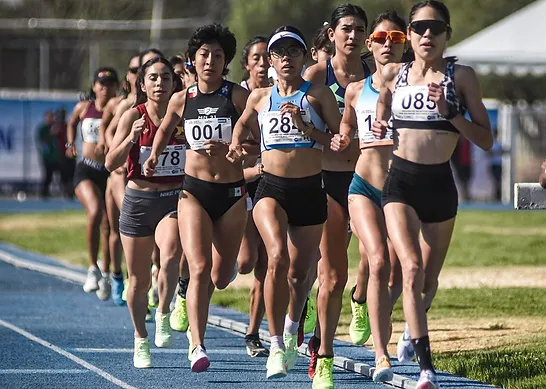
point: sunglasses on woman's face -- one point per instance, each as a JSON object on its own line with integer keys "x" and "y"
{"x": 133, "y": 70}
{"x": 382, "y": 36}
{"x": 436, "y": 27}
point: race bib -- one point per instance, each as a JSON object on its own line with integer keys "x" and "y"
{"x": 199, "y": 131}
{"x": 412, "y": 103}
{"x": 90, "y": 130}
{"x": 171, "y": 162}
{"x": 279, "y": 131}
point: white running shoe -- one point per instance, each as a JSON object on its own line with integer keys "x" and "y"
{"x": 163, "y": 334}
{"x": 427, "y": 380}
{"x": 105, "y": 288}
{"x": 92, "y": 281}
{"x": 199, "y": 360}
{"x": 404, "y": 348}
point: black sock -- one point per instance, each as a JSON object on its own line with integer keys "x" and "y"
{"x": 117, "y": 276}
{"x": 324, "y": 356}
{"x": 353, "y": 298}
{"x": 183, "y": 287}
{"x": 422, "y": 351}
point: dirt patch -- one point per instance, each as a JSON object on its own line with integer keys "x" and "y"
{"x": 455, "y": 334}
{"x": 30, "y": 222}
{"x": 475, "y": 277}
{"x": 505, "y": 231}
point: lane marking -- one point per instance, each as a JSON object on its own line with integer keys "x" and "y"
{"x": 241, "y": 350}
{"x": 42, "y": 371}
{"x": 68, "y": 355}
{"x": 43, "y": 268}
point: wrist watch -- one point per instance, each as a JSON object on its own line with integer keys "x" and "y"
{"x": 68, "y": 145}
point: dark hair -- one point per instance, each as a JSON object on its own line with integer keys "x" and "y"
{"x": 176, "y": 60}
{"x": 140, "y": 95}
{"x": 147, "y": 51}
{"x": 321, "y": 40}
{"x": 246, "y": 50}
{"x": 213, "y": 33}
{"x": 345, "y": 10}
{"x": 437, "y": 5}
{"x": 291, "y": 29}
{"x": 392, "y": 17}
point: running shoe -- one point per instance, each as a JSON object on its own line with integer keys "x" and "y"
{"x": 276, "y": 364}
{"x": 313, "y": 346}
{"x": 254, "y": 346}
{"x": 310, "y": 317}
{"x": 125, "y": 289}
{"x": 383, "y": 370}
{"x": 427, "y": 380}
{"x": 290, "y": 342}
{"x": 117, "y": 291}
{"x": 105, "y": 288}
{"x": 179, "y": 315}
{"x": 301, "y": 325}
{"x": 404, "y": 348}
{"x": 199, "y": 360}
{"x": 149, "y": 317}
{"x": 359, "y": 329}
{"x": 163, "y": 335}
{"x": 153, "y": 293}
{"x": 142, "y": 357}
{"x": 92, "y": 281}
{"x": 324, "y": 376}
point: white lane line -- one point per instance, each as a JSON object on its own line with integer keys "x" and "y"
{"x": 42, "y": 371}
{"x": 241, "y": 350}
{"x": 42, "y": 268}
{"x": 68, "y": 355}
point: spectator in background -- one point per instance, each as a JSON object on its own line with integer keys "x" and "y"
{"x": 48, "y": 152}
{"x": 66, "y": 165}
{"x": 462, "y": 163}
{"x": 542, "y": 175}
{"x": 495, "y": 159}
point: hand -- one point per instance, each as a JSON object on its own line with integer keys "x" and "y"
{"x": 214, "y": 147}
{"x": 339, "y": 142}
{"x": 436, "y": 94}
{"x": 71, "y": 152}
{"x": 295, "y": 114}
{"x": 235, "y": 153}
{"x": 379, "y": 128}
{"x": 139, "y": 128}
{"x": 101, "y": 149}
{"x": 149, "y": 166}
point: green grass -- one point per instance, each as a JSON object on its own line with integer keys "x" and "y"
{"x": 522, "y": 367}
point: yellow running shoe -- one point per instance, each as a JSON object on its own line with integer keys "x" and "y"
{"x": 291, "y": 344}
{"x": 142, "y": 357}
{"x": 360, "y": 329}
{"x": 179, "y": 315}
{"x": 276, "y": 364}
{"x": 324, "y": 375}
{"x": 383, "y": 370}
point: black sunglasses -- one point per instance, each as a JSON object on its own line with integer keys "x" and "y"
{"x": 436, "y": 27}
{"x": 133, "y": 70}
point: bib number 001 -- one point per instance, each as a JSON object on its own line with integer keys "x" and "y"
{"x": 199, "y": 131}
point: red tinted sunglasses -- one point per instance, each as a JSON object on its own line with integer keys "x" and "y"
{"x": 393, "y": 36}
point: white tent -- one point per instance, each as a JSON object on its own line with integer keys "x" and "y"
{"x": 514, "y": 44}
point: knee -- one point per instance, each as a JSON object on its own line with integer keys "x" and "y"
{"x": 379, "y": 265}
{"x": 95, "y": 217}
{"x": 430, "y": 285}
{"x": 278, "y": 261}
{"x": 139, "y": 284}
{"x": 246, "y": 264}
{"x": 333, "y": 281}
{"x": 413, "y": 277}
{"x": 200, "y": 270}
